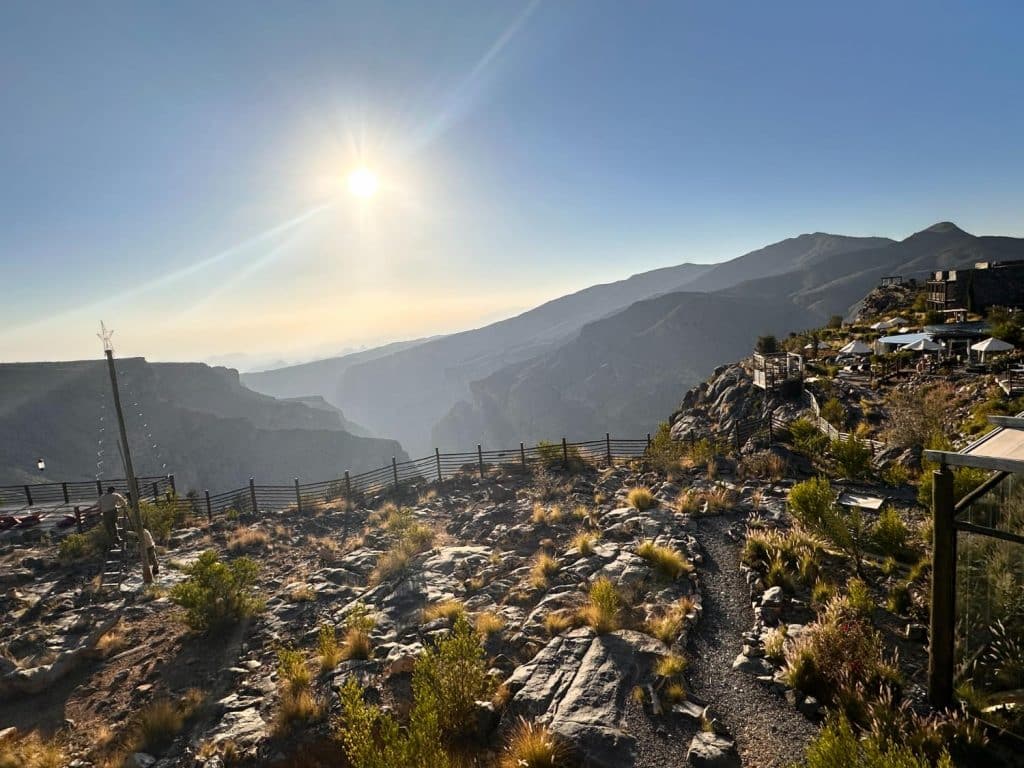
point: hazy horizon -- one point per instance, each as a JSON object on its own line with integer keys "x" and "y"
{"x": 190, "y": 174}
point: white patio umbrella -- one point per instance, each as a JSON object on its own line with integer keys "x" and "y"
{"x": 821, "y": 345}
{"x": 923, "y": 345}
{"x": 856, "y": 347}
{"x": 898, "y": 320}
{"x": 991, "y": 345}
{"x": 882, "y": 325}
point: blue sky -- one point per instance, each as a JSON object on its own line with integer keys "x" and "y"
{"x": 177, "y": 169}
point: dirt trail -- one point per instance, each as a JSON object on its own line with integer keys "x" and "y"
{"x": 767, "y": 730}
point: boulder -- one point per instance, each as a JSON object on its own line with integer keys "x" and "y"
{"x": 577, "y": 685}
{"x": 709, "y": 750}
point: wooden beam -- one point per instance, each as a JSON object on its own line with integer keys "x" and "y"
{"x": 943, "y": 609}
{"x": 984, "y": 530}
{"x": 994, "y": 463}
{"x": 1008, "y": 422}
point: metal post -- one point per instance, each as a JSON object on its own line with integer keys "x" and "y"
{"x": 522, "y": 454}
{"x": 252, "y": 493}
{"x": 394, "y": 470}
{"x": 133, "y": 483}
{"x": 437, "y": 458}
{"x": 565, "y": 454}
{"x": 648, "y": 440}
{"x": 99, "y": 489}
{"x": 298, "y": 497}
{"x": 78, "y": 519}
{"x": 174, "y": 488}
{"x": 28, "y": 495}
{"x": 209, "y": 509}
{"x": 608, "y": 447}
{"x": 64, "y": 488}
{"x": 156, "y": 493}
{"x": 943, "y": 608}
{"x": 348, "y": 487}
{"x": 480, "y": 459}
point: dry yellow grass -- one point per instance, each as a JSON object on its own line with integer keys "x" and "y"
{"x": 31, "y": 751}
{"x": 248, "y": 539}
{"x": 328, "y": 650}
{"x": 489, "y": 623}
{"x": 556, "y": 623}
{"x": 688, "y": 502}
{"x": 602, "y": 609}
{"x": 531, "y": 745}
{"x": 446, "y": 609}
{"x": 543, "y": 569}
{"x": 667, "y": 562}
{"x": 641, "y": 498}
{"x": 296, "y": 708}
{"x": 584, "y": 541}
{"x": 356, "y": 644}
{"x": 670, "y": 623}
{"x": 671, "y": 665}
{"x": 112, "y": 641}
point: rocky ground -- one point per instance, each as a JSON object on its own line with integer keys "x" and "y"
{"x": 86, "y": 666}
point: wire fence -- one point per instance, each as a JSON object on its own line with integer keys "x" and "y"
{"x": 79, "y": 492}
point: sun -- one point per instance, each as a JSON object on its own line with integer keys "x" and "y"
{"x": 362, "y": 182}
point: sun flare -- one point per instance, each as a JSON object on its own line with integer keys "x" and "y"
{"x": 362, "y": 182}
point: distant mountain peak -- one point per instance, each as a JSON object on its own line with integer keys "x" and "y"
{"x": 944, "y": 228}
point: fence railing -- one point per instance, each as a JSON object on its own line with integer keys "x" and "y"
{"x": 831, "y": 432}
{"x": 80, "y": 492}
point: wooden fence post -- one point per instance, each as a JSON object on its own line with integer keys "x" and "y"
{"x": 298, "y": 497}
{"x": 156, "y": 494}
{"x": 522, "y": 454}
{"x": 565, "y": 454}
{"x": 943, "y": 608}
{"x": 28, "y": 495}
{"x": 174, "y": 488}
{"x": 394, "y": 470}
{"x": 348, "y": 486}
{"x": 78, "y": 518}
{"x": 209, "y": 509}
{"x": 99, "y": 489}
{"x": 648, "y": 440}
{"x": 252, "y": 493}
{"x": 480, "y": 459}
{"x": 437, "y": 460}
{"x": 608, "y": 447}
{"x": 64, "y": 488}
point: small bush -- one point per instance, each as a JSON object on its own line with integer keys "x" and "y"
{"x": 327, "y": 647}
{"x": 895, "y": 475}
{"x": 412, "y": 538}
{"x": 852, "y": 457}
{"x": 688, "y": 502}
{"x": 292, "y": 670}
{"x": 899, "y": 601}
{"x": 813, "y": 503}
{"x": 356, "y": 644}
{"x": 297, "y": 708}
{"x": 641, "y": 498}
{"x": 217, "y": 593}
{"x": 157, "y": 725}
{"x": 890, "y": 533}
{"x": 821, "y": 593}
{"x": 719, "y": 498}
{"x": 838, "y": 746}
{"x": 834, "y": 412}
{"x": 807, "y": 438}
{"x": 160, "y": 518}
{"x": 602, "y": 609}
{"x": 532, "y": 745}
{"x": 667, "y": 562}
{"x": 75, "y": 546}
{"x": 860, "y": 597}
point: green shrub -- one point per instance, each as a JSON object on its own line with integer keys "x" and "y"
{"x": 217, "y": 593}
{"x": 890, "y": 533}
{"x": 834, "y": 413}
{"x": 965, "y": 480}
{"x": 861, "y": 600}
{"x": 895, "y": 475}
{"x": 75, "y": 546}
{"x": 452, "y": 677}
{"x": 664, "y": 452}
{"x": 160, "y": 518}
{"x": 813, "y": 503}
{"x": 899, "y": 601}
{"x": 852, "y": 457}
{"x": 552, "y": 456}
{"x": 838, "y": 746}
{"x": 807, "y": 438}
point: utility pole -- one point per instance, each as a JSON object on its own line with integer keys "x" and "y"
{"x": 133, "y": 483}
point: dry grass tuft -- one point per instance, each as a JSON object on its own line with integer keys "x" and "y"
{"x": 584, "y": 541}
{"x": 489, "y": 623}
{"x": 543, "y": 569}
{"x": 295, "y": 709}
{"x": 556, "y": 623}
{"x": 113, "y": 640}
{"x": 302, "y": 594}
{"x": 356, "y": 644}
{"x": 446, "y": 609}
{"x": 31, "y": 751}
{"x": 247, "y": 540}
{"x": 667, "y": 562}
{"x": 671, "y": 665}
{"x": 602, "y": 609}
{"x": 688, "y": 502}
{"x": 641, "y": 498}
{"x": 669, "y": 624}
{"x": 531, "y": 745}
{"x": 328, "y": 650}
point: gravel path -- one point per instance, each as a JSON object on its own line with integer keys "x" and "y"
{"x": 768, "y": 732}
